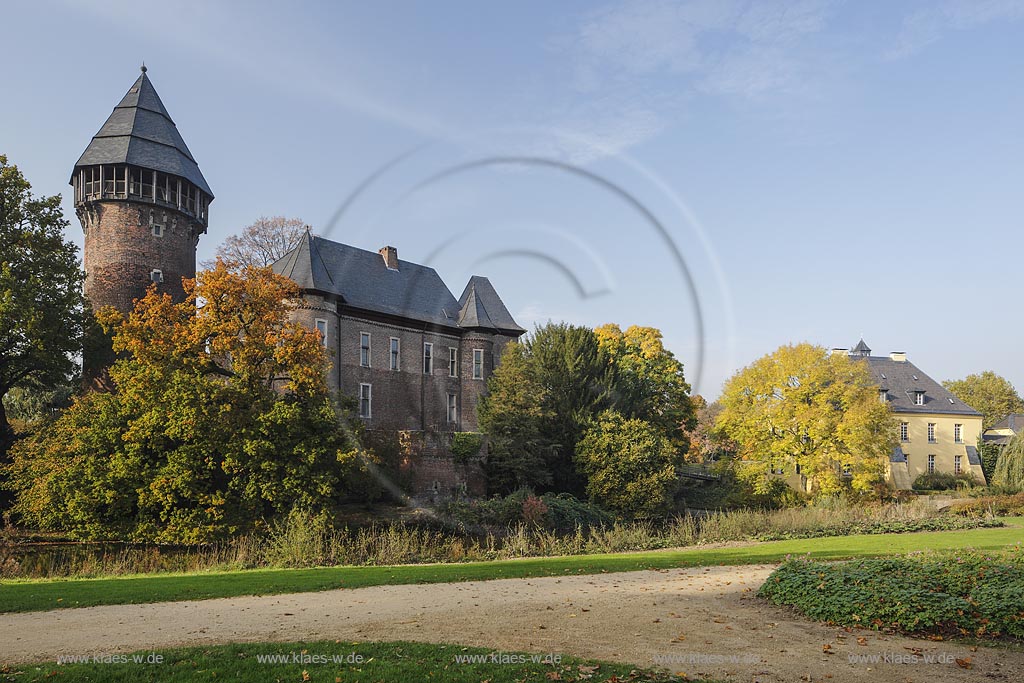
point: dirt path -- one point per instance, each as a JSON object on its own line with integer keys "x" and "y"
{"x": 707, "y": 614}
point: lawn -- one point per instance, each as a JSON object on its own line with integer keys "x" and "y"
{"x": 331, "y": 661}
{"x": 34, "y": 595}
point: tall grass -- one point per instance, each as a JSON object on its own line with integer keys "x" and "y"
{"x": 301, "y": 540}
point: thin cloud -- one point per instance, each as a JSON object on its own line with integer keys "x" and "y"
{"x": 926, "y": 26}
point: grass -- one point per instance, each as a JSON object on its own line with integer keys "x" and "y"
{"x": 34, "y": 595}
{"x": 394, "y": 661}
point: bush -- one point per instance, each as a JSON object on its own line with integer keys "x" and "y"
{"x": 965, "y": 594}
{"x": 944, "y": 481}
{"x": 466, "y": 444}
{"x": 1004, "y": 505}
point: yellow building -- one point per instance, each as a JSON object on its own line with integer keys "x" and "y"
{"x": 937, "y": 431}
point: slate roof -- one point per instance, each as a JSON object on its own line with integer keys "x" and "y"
{"x": 861, "y": 349}
{"x": 1014, "y": 422}
{"x": 901, "y": 379}
{"x": 362, "y": 280}
{"x": 140, "y": 132}
{"x": 897, "y": 455}
{"x": 973, "y": 457}
{"x": 481, "y": 307}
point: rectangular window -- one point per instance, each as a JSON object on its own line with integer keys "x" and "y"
{"x": 882, "y": 395}
{"x": 395, "y": 350}
{"x": 321, "y": 327}
{"x": 428, "y": 358}
{"x": 365, "y": 400}
{"x": 364, "y": 349}
{"x": 478, "y": 363}
{"x": 957, "y": 463}
{"x": 919, "y": 398}
{"x": 453, "y": 361}
{"x": 958, "y": 434}
{"x": 156, "y": 275}
{"x": 931, "y": 432}
{"x": 847, "y": 470}
{"x": 453, "y": 410}
{"x": 158, "y": 230}
{"x": 931, "y": 464}
{"x": 904, "y": 431}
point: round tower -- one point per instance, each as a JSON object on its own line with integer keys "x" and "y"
{"x": 142, "y": 202}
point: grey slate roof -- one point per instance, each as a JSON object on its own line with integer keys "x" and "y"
{"x": 140, "y": 132}
{"x": 897, "y": 455}
{"x": 972, "y": 456}
{"x": 481, "y": 307}
{"x": 901, "y": 379}
{"x": 1013, "y": 422}
{"x": 362, "y": 280}
{"x": 861, "y": 349}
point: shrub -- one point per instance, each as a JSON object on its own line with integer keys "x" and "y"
{"x": 466, "y": 444}
{"x": 966, "y": 593}
{"x": 944, "y": 481}
{"x": 1004, "y": 505}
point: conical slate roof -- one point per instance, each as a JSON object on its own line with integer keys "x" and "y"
{"x": 480, "y": 306}
{"x": 140, "y": 132}
{"x": 861, "y": 349}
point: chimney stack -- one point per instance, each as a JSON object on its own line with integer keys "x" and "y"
{"x": 898, "y": 356}
{"x": 390, "y": 255}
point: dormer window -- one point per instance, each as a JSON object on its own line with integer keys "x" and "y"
{"x": 918, "y": 398}
{"x": 883, "y": 396}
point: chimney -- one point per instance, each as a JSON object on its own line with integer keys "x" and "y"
{"x": 898, "y": 356}
{"x": 390, "y": 255}
{"x": 839, "y": 352}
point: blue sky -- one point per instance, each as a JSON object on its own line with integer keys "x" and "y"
{"x": 739, "y": 174}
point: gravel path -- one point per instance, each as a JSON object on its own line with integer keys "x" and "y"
{"x": 707, "y": 618}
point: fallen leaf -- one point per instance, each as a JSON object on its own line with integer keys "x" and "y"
{"x": 964, "y": 663}
{"x": 861, "y": 640}
{"x": 827, "y": 649}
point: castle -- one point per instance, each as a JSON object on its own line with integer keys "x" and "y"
{"x": 415, "y": 359}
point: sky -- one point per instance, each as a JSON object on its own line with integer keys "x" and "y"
{"x": 739, "y": 174}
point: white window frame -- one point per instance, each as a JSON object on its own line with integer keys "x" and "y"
{"x": 918, "y": 398}
{"x": 932, "y": 438}
{"x": 883, "y": 396}
{"x": 931, "y": 464}
{"x": 428, "y": 358}
{"x": 320, "y": 325}
{"x": 156, "y": 275}
{"x": 453, "y": 361}
{"x": 478, "y": 363}
{"x": 364, "y": 351}
{"x": 958, "y": 464}
{"x": 904, "y": 432}
{"x": 453, "y": 408}
{"x": 368, "y": 399}
{"x": 958, "y": 433}
{"x": 395, "y": 354}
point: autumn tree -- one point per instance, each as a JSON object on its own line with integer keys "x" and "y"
{"x": 802, "y": 406}
{"x": 990, "y": 394}
{"x": 218, "y": 417}
{"x": 630, "y": 465}
{"x": 512, "y": 413}
{"x": 708, "y": 443}
{"x": 261, "y": 243}
{"x": 41, "y": 304}
{"x": 649, "y": 382}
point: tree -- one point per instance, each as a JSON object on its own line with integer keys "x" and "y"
{"x": 1009, "y": 470}
{"x": 630, "y": 465}
{"x": 41, "y": 305}
{"x": 218, "y": 417}
{"x": 261, "y": 243}
{"x": 578, "y": 381}
{"x": 803, "y": 406}
{"x": 988, "y": 393}
{"x": 512, "y": 413}
{"x": 648, "y": 381}
{"x": 707, "y": 441}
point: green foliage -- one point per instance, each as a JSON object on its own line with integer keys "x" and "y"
{"x": 513, "y": 413}
{"x": 629, "y": 464}
{"x": 997, "y": 505}
{"x": 41, "y": 305}
{"x": 196, "y": 441}
{"x": 465, "y": 445}
{"x": 989, "y": 453}
{"x": 649, "y": 382}
{"x": 944, "y": 481}
{"x": 29, "y": 407}
{"x": 988, "y": 393}
{"x": 968, "y": 593}
{"x": 1009, "y": 470}
{"x": 564, "y": 512}
{"x": 801, "y": 406}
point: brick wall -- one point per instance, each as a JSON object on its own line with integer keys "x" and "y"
{"x": 121, "y": 251}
